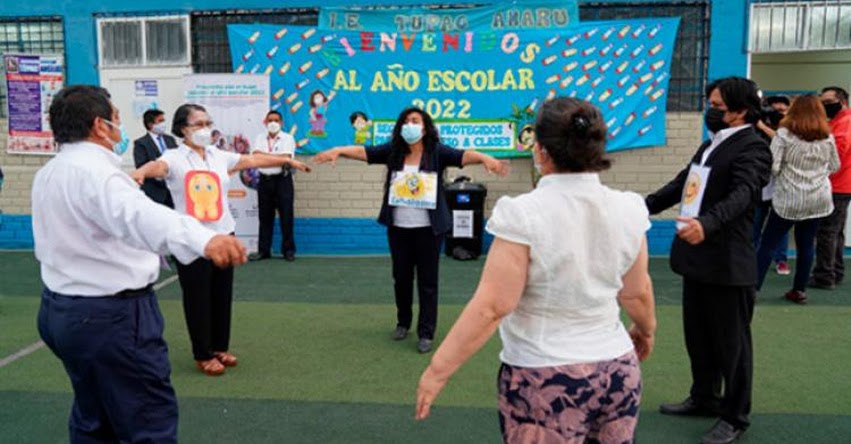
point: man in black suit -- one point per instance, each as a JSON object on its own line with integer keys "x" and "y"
{"x": 714, "y": 253}
{"x": 150, "y": 147}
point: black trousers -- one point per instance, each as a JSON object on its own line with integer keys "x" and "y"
{"x": 830, "y": 243}
{"x": 415, "y": 249}
{"x": 716, "y": 321}
{"x": 207, "y": 301}
{"x": 275, "y": 193}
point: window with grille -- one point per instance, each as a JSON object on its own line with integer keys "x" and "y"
{"x": 211, "y": 54}
{"x": 40, "y": 35}
{"x": 800, "y": 26}
{"x": 144, "y": 41}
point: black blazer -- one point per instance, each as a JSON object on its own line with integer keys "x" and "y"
{"x": 741, "y": 166}
{"x": 145, "y": 149}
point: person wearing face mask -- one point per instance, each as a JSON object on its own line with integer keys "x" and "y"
{"x": 829, "y": 270}
{"x": 566, "y": 257}
{"x": 275, "y": 190}
{"x": 97, "y": 239}
{"x": 418, "y": 217}
{"x": 715, "y": 255}
{"x": 150, "y": 147}
{"x": 196, "y": 174}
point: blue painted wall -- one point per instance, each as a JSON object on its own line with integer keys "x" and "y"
{"x": 727, "y": 54}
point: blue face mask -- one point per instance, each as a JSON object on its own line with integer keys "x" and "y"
{"x": 412, "y": 132}
{"x": 121, "y": 146}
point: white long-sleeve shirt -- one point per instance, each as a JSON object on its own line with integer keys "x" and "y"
{"x": 96, "y": 233}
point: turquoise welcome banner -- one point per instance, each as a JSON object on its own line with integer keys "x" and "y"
{"x": 511, "y": 16}
{"x": 482, "y": 87}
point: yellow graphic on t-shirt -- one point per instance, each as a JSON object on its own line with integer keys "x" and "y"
{"x": 203, "y": 193}
{"x": 415, "y": 190}
{"x": 692, "y": 188}
{"x": 412, "y": 186}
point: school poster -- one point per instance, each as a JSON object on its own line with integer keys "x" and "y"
{"x": 31, "y": 83}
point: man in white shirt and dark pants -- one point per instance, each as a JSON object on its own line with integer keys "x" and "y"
{"x": 275, "y": 191}
{"x": 97, "y": 238}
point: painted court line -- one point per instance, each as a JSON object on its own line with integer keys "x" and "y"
{"x": 34, "y": 347}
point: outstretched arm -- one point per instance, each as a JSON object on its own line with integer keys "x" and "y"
{"x": 155, "y": 169}
{"x": 356, "y": 152}
{"x": 491, "y": 164}
{"x": 262, "y": 160}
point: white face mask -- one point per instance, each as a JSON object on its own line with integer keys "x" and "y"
{"x": 273, "y": 127}
{"x": 537, "y": 164}
{"x": 412, "y": 132}
{"x": 203, "y": 137}
{"x": 159, "y": 128}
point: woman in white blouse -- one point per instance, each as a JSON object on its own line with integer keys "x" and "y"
{"x": 197, "y": 175}
{"x": 564, "y": 257}
{"x": 804, "y": 154}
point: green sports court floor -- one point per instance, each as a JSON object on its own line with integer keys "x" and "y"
{"x": 317, "y": 364}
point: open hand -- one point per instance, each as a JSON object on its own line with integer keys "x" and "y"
{"x": 430, "y": 386}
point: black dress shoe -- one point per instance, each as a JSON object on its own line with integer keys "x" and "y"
{"x": 400, "y": 333}
{"x": 722, "y": 433}
{"x": 688, "y": 408}
{"x": 289, "y": 256}
{"x": 821, "y": 285}
{"x": 253, "y": 257}
{"x": 424, "y": 345}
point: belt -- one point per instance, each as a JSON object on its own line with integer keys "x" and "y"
{"x": 135, "y": 292}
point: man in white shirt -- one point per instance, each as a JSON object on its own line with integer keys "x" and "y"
{"x": 97, "y": 238}
{"x": 150, "y": 147}
{"x": 275, "y": 191}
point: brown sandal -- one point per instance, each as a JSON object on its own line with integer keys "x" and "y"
{"x": 227, "y": 359}
{"x": 211, "y": 367}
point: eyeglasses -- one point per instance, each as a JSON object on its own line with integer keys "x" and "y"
{"x": 207, "y": 124}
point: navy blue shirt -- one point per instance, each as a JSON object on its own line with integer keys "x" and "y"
{"x": 435, "y": 161}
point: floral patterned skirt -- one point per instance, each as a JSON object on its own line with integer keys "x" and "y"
{"x": 582, "y": 403}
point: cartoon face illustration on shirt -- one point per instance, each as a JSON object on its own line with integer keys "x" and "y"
{"x": 692, "y": 188}
{"x": 411, "y": 186}
{"x": 203, "y": 193}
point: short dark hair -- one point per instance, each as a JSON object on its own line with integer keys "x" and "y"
{"x": 181, "y": 117}
{"x": 739, "y": 94}
{"x": 273, "y": 112}
{"x": 74, "y": 110}
{"x": 573, "y": 133}
{"x": 149, "y": 117}
{"x": 840, "y": 93}
{"x": 771, "y": 100}
{"x": 355, "y": 115}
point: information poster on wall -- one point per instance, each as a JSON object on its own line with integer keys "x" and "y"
{"x": 237, "y": 105}
{"x": 31, "y": 82}
{"x": 483, "y": 86}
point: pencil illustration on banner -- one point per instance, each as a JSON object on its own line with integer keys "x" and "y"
{"x": 307, "y": 34}
{"x": 327, "y": 38}
{"x": 632, "y": 89}
{"x": 608, "y": 34}
{"x": 657, "y": 94}
{"x": 322, "y": 73}
{"x": 305, "y": 67}
{"x": 657, "y": 66}
{"x": 623, "y": 81}
{"x": 239, "y": 69}
{"x": 614, "y": 133}
{"x": 621, "y": 68}
{"x": 589, "y": 65}
{"x": 606, "y": 49}
{"x": 293, "y": 130}
{"x": 549, "y": 60}
{"x": 296, "y": 107}
{"x": 654, "y": 31}
{"x": 315, "y": 48}
{"x": 278, "y": 94}
{"x": 254, "y": 37}
{"x": 553, "y": 78}
{"x": 248, "y": 55}
{"x": 291, "y": 98}
{"x": 280, "y": 34}
{"x": 569, "y": 52}
{"x": 590, "y": 96}
{"x": 605, "y": 96}
{"x": 605, "y": 66}
{"x": 638, "y": 31}
{"x": 268, "y": 70}
{"x": 615, "y": 103}
{"x": 645, "y": 78}
{"x": 611, "y": 122}
{"x": 638, "y": 66}
{"x": 591, "y": 33}
{"x": 649, "y": 111}
{"x": 597, "y": 81}
{"x": 566, "y": 82}
{"x": 655, "y": 50}
{"x": 302, "y": 84}
{"x": 294, "y": 49}
{"x": 659, "y": 79}
{"x": 583, "y": 80}
{"x": 284, "y": 68}
{"x": 629, "y": 119}
{"x": 573, "y": 39}
{"x": 624, "y": 31}
{"x": 588, "y": 51}
{"x": 619, "y": 52}
{"x": 271, "y": 53}
{"x": 570, "y": 66}
{"x": 552, "y": 41}
{"x": 255, "y": 69}
{"x": 637, "y": 51}
{"x": 645, "y": 130}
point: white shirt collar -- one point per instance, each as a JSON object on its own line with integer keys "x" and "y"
{"x": 722, "y": 135}
{"x": 94, "y": 149}
{"x": 569, "y": 178}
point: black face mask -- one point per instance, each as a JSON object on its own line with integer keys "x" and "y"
{"x": 714, "y": 120}
{"x": 832, "y": 109}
